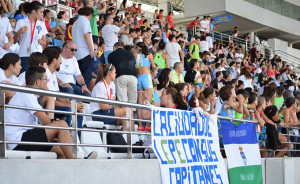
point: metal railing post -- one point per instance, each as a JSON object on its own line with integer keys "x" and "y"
{"x": 74, "y": 125}
{"x": 2, "y": 126}
{"x": 289, "y": 143}
{"x": 129, "y": 142}
{"x": 221, "y": 38}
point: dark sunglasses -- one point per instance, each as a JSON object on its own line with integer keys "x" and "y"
{"x": 72, "y": 50}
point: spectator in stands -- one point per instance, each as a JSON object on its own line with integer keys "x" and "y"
{"x": 174, "y": 51}
{"x": 204, "y": 46}
{"x": 35, "y": 78}
{"x": 10, "y": 67}
{"x": 212, "y": 25}
{"x": 284, "y": 75}
{"x": 82, "y": 37}
{"x": 154, "y": 49}
{"x": 170, "y": 19}
{"x": 229, "y": 106}
{"x": 169, "y": 98}
{"x": 105, "y": 88}
{"x": 69, "y": 28}
{"x": 35, "y": 59}
{"x": 207, "y": 100}
{"x": 54, "y": 61}
{"x": 60, "y": 20}
{"x": 6, "y": 7}
{"x": 164, "y": 79}
{"x": 217, "y": 83}
{"x": 55, "y": 32}
{"x": 24, "y": 30}
{"x": 239, "y": 56}
{"x": 253, "y": 53}
{"x": 20, "y": 14}
{"x": 194, "y": 49}
{"x": 177, "y": 76}
{"x": 190, "y": 28}
{"x": 278, "y": 78}
{"x": 68, "y": 69}
{"x": 93, "y": 21}
{"x": 160, "y": 16}
{"x": 204, "y": 25}
{"x": 182, "y": 90}
{"x": 161, "y": 59}
{"x": 126, "y": 73}
{"x": 80, "y": 5}
{"x": 5, "y": 32}
{"x": 246, "y": 77}
{"x": 127, "y": 39}
{"x": 110, "y": 34}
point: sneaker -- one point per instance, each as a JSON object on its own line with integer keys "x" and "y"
{"x": 92, "y": 155}
{"x": 141, "y": 128}
{"x": 148, "y": 129}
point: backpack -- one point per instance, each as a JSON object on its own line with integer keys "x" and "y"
{"x": 116, "y": 139}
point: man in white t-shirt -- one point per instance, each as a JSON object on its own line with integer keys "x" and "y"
{"x": 35, "y": 78}
{"x": 174, "y": 51}
{"x": 5, "y": 32}
{"x": 68, "y": 70}
{"x": 110, "y": 34}
{"x": 82, "y": 37}
{"x": 239, "y": 56}
{"x": 62, "y": 104}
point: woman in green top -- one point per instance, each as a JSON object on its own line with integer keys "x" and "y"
{"x": 161, "y": 59}
{"x": 278, "y": 100}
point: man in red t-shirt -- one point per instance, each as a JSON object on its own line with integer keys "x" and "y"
{"x": 160, "y": 16}
{"x": 190, "y": 28}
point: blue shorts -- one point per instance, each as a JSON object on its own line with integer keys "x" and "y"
{"x": 109, "y": 112}
{"x": 144, "y": 82}
{"x": 199, "y": 84}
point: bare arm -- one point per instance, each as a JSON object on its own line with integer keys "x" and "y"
{"x": 182, "y": 56}
{"x": 42, "y": 41}
{"x": 259, "y": 119}
{"x": 166, "y": 57}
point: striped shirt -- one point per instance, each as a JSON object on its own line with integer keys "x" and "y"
{"x": 110, "y": 36}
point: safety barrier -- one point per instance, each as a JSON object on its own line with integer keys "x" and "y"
{"x": 74, "y": 129}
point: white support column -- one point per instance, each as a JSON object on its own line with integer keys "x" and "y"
{"x": 251, "y": 38}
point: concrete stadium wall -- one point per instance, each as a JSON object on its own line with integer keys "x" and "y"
{"x": 275, "y": 171}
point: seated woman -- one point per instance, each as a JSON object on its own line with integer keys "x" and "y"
{"x": 10, "y": 67}
{"x": 207, "y": 100}
{"x": 164, "y": 79}
{"x": 230, "y": 106}
{"x": 182, "y": 90}
{"x": 105, "y": 88}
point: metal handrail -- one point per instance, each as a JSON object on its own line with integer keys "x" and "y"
{"x": 75, "y": 129}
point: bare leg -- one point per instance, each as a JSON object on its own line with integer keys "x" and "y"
{"x": 63, "y": 136}
{"x": 59, "y": 152}
{"x": 121, "y": 112}
{"x": 139, "y": 111}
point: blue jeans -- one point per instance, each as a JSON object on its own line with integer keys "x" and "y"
{"x": 24, "y": 64}
{"x": 106, "y": 55}
{"x": 76, "y": 90}
{"x": 69, "y": 117}
{"x": 86, "y": 66}
{"x": 190, "y": 34}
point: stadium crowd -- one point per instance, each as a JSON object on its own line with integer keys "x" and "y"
{"x": 114, "y": 52}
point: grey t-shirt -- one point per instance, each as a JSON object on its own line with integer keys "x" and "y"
{"x": 60, "y": 23}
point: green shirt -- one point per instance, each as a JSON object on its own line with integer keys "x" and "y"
{"x": 177, "y": 79}
{"x": 278, "y": 101}
{"x": 94, "y": 23}
{"x": 239, "y": 116}
{"x": 195, "y": 51}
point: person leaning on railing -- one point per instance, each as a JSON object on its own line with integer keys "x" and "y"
{"x": 10, "y": 67}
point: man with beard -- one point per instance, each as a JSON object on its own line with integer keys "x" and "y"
{"x": 54, "y": 55}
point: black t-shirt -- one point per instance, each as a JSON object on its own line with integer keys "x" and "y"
{"x": 124, "y": 62}
{"x": 181, "y": 106}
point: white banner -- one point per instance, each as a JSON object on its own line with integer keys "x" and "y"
{"x": 187, "y": 147}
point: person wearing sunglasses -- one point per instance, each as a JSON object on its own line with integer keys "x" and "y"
{"x": 68, "y": 69}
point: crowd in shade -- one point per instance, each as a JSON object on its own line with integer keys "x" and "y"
{"x": 112, "y": 51}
